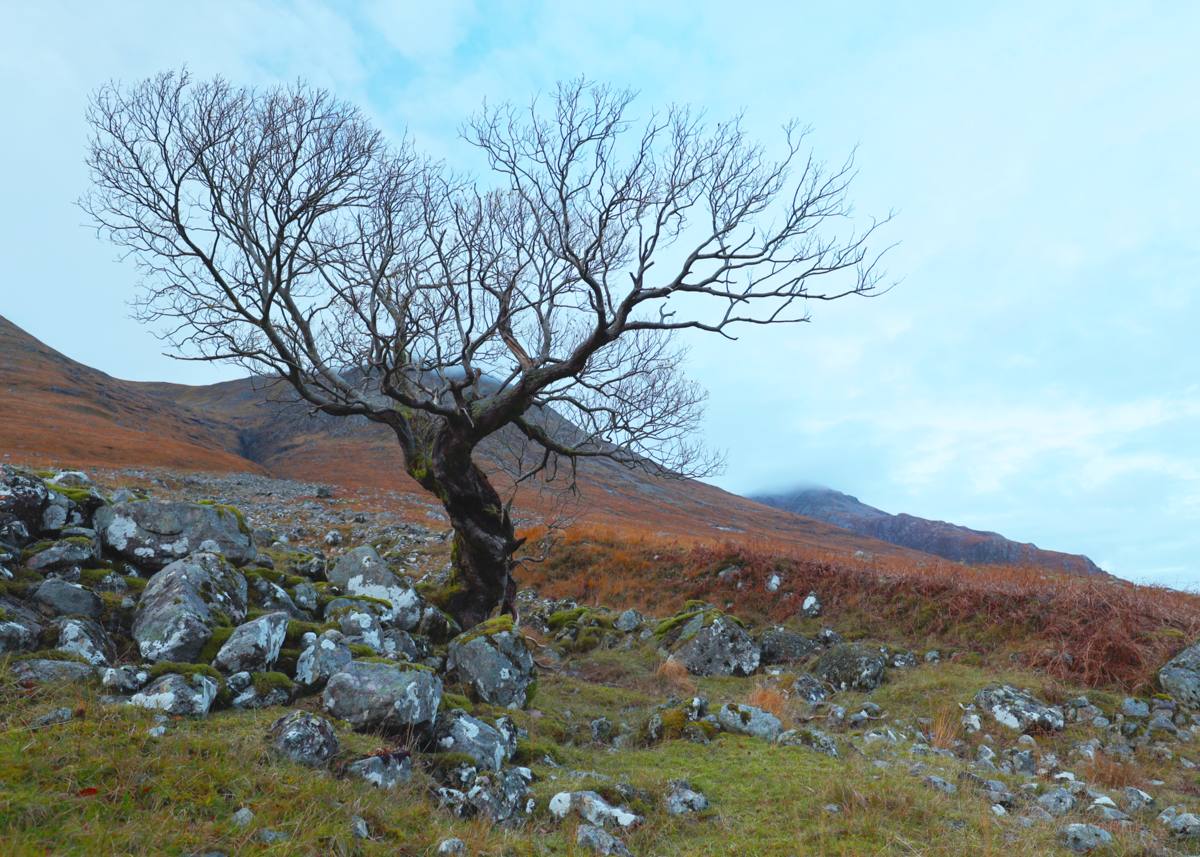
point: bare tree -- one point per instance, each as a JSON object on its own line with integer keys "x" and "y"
{"x": 277, "y": 229}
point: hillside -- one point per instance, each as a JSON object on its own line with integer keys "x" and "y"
{"x": 950, "y": 541}
{"x": 55, "y": 410}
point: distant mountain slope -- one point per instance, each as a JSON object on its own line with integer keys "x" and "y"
{"x": 55, "y": 410}
{"x": 936, "y": 537}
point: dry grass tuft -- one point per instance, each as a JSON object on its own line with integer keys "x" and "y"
{"x": 768, "y": 699}
{"x": 946, "y": 726}
{"x": 676, "y": 676}
{"x": 1112, "y": 772}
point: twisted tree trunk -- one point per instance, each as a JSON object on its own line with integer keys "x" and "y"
{"x": 484, "y": 537}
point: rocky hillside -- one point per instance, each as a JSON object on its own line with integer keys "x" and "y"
{"x": 950, "y": 541}
{"x": 246, "y": 665}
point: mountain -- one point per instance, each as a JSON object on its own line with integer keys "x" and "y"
{"x": 54, "y": 410}
{"x": 939, "y": 538}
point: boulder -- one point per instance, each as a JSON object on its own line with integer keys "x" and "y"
{"x": 1019, "y": 710}
{"x": 502, "y": 797}
{"x": 383, "y": 770}
{"x": 600, "y": 841}
{"x": 378, "y": 695}
{"x": 71, "y": 552}
{"x": 1180, "y": 676}
{"x": 781, "y": 646}
{"x": 809, "y": 688}
{"x": 682, "y": 799}
{"x": 721, "y": 647}
{"x": 593, "y": 809}
{"x": 813, "y": 739}
{"x": 459, "y": 732}
{"x": 126, "y": 679}
{"x": 260, "y": 690}
{"x": 1057, "y": 802}
{"x": 183, "y": 602}
{"x": 362, "y": 572}
{"x": 494, "y": 664}
{"x": 20, "y": 627}
{"x": 41, "y": 670}
{"x": 85, "y": 638}
{"x": 253, "y": 646}
{"x": 748, "y": 720}
{"x": 304, "y": 738}
{"x": 61, "y": 598}
{"x": 629, "y": 620}
{"x": 1082, "y": 838}
{"x": 177, "y": 694}
{"x": 22, "y": 499}
{"x": 321, "y": 658}
{"x": 850, "y": 666}
{"x": 153, "y": 534}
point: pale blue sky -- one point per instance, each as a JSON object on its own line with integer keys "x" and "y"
{"x": 1034, "y": 373}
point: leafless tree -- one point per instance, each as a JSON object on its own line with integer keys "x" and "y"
{"x": 277, "y": 229}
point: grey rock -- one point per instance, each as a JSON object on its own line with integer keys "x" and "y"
{"x": 600, "y": 841}
{"x": 42, "y": 670}
{"x": 68, "y": 599}
{"x": 362, "y": 572}
{"x": 781, "y": 646}
{"x": 243, "y": 817}
{"x": 813, "y": 739}
{"x": 126, "y": 679}
{"x": 1183, "y": 825}
{"x": 459, "y": 732}
{"x": 1082, "y": 838}
{"x": 1019, "y": 710}
{"x": 1057, "y": 802}
{"x": 1180, "y": 676}
{"x": 359, "y": 828}
{"x": 722, "y": 647}
{"x": 811, "y": 606}
{"x": 22, "y": 499}
{"x": 850, "y": 666}
{"x": 496, "y": 667}
{"x": 1136, "y": 799}
{"x": 257, "y": 694}
{"x": 375, "y": 695}
{"x": 502, "y": 797}
{"x": 593, "y": 809}
{"x": 153, "y": 534}
{"x": 253, "y": 646}
{"x": 272, "y": 837}
{"x": 628, "y": 621}
{"x": 183, "y": 602}
{"x": 179, "y": 695}
{"x": 52, "y": 718}
{"x": 1137, "y": 709}
{"x": 20, "y": 627}
{"x": 938, "y": 784}
{"x": 682, "y": 799}
{"x": 85, "y": 638}
{"x": 304, "y": 738}
{"x": 748, "y": 720}
{"x": 321, "y": 658}
{"x": 453, "y": 846}
{"x": 73, "y": 552}
{"x": 384, "y": 771}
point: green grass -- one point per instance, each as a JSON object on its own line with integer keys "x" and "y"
{"x": 176, "y": 794}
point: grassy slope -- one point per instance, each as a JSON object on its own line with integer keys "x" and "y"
{"x": 177, "y": 793}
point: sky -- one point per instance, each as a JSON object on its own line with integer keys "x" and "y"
{"x": 1033, "y": 372}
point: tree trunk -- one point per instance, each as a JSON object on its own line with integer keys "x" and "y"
{"x": 484, "y": 538}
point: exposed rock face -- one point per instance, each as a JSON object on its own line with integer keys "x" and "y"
{"x": 152, "y": 534}
{"x": 459, "y": 732}
{"x": 1018, "y": 710}
{"x": 850, "y": 666}
{"x": 1082, "y": 838}
{"x": 362, "y": 572}
{"x": 936, "y": 537}
{"x": 721, "y": 647}
{"x": 22, "y": 499}
{"x": 182, "y": 603}
{"x": 600, "y": 841}
{"x": 61, "y": 598}
{"x": 496, "y": 666}
{"x": 377, "y": 695}
{"x": 501, "y": 797}
{"x": 177, "y": 694}
{"x": 254, "y": 646}
{"x": 682, "y": 799}
{"x": 748, "y": 720}
{"x": 304, "y": 738}
{"x": 1180, "y": 677}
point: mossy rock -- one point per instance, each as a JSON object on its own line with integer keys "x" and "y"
{"x": 220, "y": 634}
{"x": 533, "y": 752}
{"x": 163, "y": 668}
{"x": 495, "y": 625}
{"x": 224, "y": 509}
{"x": 265, "y": 682}
{"x": 51, "y": 655}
